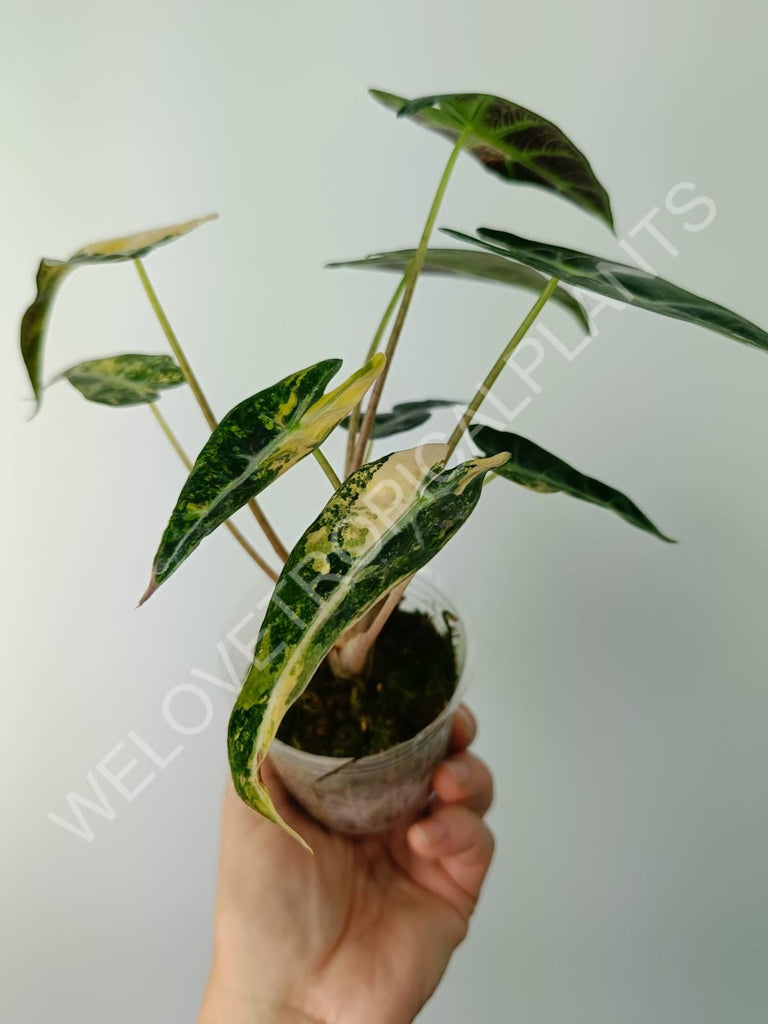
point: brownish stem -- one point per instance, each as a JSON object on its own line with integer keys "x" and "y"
{"x": 355, "y": 416}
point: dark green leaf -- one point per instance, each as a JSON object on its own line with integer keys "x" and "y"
{"x": 404, "y": 416}
{"x": 51, "y": 274}
{"x": 539, "y": 470}
{"x": 384, "y": 523}
{"x": 470, "y": 263}
{"x": 620, "y": 282}
{"x": 130, "y": 379}
{"x": 511, "y": 141}
{"x": 254, "y": 444}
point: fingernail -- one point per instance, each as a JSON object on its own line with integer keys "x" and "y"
{"x": 460, "y": 771}
{"x": 430, "y": 831}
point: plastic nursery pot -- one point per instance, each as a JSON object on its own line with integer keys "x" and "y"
{"x": 370, "y": 794}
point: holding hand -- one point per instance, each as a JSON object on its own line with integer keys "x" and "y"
{"x": 362, "y": 932}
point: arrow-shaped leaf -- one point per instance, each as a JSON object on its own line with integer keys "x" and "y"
{"x": 404, "y": 416}
{"x": 470, "y": 263}
{"x": 51, "y": 274}
{"x": 540, "y": 470}
{"x": 619, "y": 281}
{"x": 254, "y": 444}
{"x": 130, "y": 379}
{"x": 384, "y": 523}
{"x": 511, "y": 141}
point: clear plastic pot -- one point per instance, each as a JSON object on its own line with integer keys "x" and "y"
{"x": 368, "y": 795}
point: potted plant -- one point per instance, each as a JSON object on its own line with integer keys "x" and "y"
{"x": 358, "y": 665}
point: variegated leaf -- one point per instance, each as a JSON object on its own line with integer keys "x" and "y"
{"x": 405, "y": 416}
{"x": 130, "y": 379}
{"x": 511, "y": 141}
{"x": 620, "y": 282}
{"x": 539, "y": 470}
{"x": 475, "y": 265}
{"x": 51, "y": 274}
{"x": 254, "y": 444}
{"x": 385, "y": 522}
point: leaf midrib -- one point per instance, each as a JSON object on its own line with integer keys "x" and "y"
{"x": 492, "y": 140}
{"x": 262, "y": 456}
{"x": 330, "y": 605}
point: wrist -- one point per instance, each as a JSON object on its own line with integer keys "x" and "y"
{"x": 224, "y": 1006}
{"x": 240, "y": 999}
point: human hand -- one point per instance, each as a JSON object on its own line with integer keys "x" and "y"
{"x": 361, "y": 932}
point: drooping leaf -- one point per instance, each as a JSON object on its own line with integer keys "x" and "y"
{"x": 471, "y": 263}
{"x": 511, "y": 141}
{"x": 620, "y": 282}
{"x": 254, "y": 444}
{"x": 130, "y": 379}
{"x": 404, "y": 416}
{"x": 51, "y": 274}
{"x": 540, "y": 470}
{"x": 385, "y": 522}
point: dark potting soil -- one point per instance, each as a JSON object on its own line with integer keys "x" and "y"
{"x": 413, "y": 677}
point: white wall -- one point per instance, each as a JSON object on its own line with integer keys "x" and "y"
{"x": 621, "y": 683}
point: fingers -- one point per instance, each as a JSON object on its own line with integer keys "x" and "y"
{"x": 464, "y": 728}
{"x": 465, "y": 779}
{"x": 460, "y": 841}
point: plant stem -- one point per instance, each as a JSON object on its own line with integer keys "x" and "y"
{"x": 277, "y": 545}
{"x": 176, "y": 348}
{"x": 498, "y": 366}
{"x": 368, "y": 450}
{"x": 241, "y": 540}
{"x": 166, "y": 429}
{"x": 412, "y": 275}
{"x": 202, "y": 401}
{"x": 327, "y": 468}
{"x": 354, "y": 419}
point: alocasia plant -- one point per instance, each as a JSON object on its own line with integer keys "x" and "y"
{"x": 388, "y": 517}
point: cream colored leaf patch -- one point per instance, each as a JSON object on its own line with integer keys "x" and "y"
{"x": 51, "y": 274}
{"x": 255, "y": 443}
{"x": 386, "y": 521}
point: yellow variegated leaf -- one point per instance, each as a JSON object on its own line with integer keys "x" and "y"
{"x": 384, "y": 523}
{"x": 51, "y": 274}
{"x": 253, "y": 445}
{"x": 128, "y": 379}
{"x": 130, "y": 247}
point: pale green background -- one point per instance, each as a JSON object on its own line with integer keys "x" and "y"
{"x": 621, "y": 684}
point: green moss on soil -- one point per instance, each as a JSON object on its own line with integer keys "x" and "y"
{"x": 413, "y": 677}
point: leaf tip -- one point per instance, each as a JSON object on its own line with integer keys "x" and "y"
{"x": 153, "y": 585}
{"x": 378, "y": 362}
{"x": 302, "y": 842}
{"x": 475, "y": 468}
{"x": 491, "y": 463}
{"x": 388, "y": 99}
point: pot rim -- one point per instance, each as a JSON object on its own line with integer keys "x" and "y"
{"x": 325, "y": 763}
